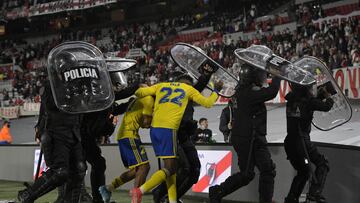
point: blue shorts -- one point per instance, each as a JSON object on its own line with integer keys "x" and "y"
{"x": 132, "y": 152}
{"x": 164, "y": 142}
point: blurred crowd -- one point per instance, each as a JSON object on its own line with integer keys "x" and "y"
{"x": 336, "y": 43}
{"x": 8, "y": 4}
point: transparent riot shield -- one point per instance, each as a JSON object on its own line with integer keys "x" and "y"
{"x": 116, "y": 68}
{"x": 195, "y": 62}
{"x": 119, "y": 64}
{"x": 341, "y": 112}
{"x": 263, "y": 58}
{"x": 79, "y": 78}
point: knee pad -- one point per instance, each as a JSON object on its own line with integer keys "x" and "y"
{"x": 81, "y": 170}
{"x": 46, "y": 146}
{"x": 58, "y": 175}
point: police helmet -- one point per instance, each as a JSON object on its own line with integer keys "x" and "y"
{"x": 303, "y": 89}
{"x": 250, "y": 75}
{"x": 247, "y": 75}
{"x": 118, "y": 80}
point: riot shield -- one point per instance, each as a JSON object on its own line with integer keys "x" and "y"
{"x": 79, "y": 78}
{"x": 194, "y": 60}
{"x": 263, "y": 58}
{"x": 341, "y": 112}
{"x": 116, "y": 68}
{"x": 119, "y": 64}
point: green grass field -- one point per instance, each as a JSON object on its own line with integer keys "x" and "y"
{"x": 9, "y": 189}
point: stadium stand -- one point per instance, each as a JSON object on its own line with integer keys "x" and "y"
{"x": 335, "y": 42}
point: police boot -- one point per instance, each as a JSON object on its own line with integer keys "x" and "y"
{"x": 159, "y": 193}
{"x": 61, "y": 194}
{"x": 24, "y": 196}
{"x": 74, "y": 195}
{"x": 86, "y": 198}
{"x": 97, "y": 200}
{"x": 96, "y": 197}
{"x": 47, "y": 182}
{"x": 317, "y": 188}
{"x": 216, "y": 193}
{"x": 156, "y": 196}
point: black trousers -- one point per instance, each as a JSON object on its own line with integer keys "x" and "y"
{"x": 62, "y": 148}
{"x": 188, "y": 171}
{"x": 259, "y": 157}
{"x": 93, "y": 156}
{"x": 299, "y": 150}
{"x": 64, "y": 157}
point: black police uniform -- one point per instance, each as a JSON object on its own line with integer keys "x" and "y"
{"x": 189, "y": 169}
{"x": 202, "y": 136}
{"x": 94, "y": 126}
{"x": 298, "y": 146}
{"x": 249, "y": 141}
{"x": 226, "y": 115}
{"x": 61, "y": 145}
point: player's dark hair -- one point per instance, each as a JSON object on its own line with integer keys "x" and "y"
{"x": 202, "y": 119}
{"x": 185, "y": 77}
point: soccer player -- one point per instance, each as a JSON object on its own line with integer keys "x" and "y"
{"x": 170, "y": 103}
{"x": 133, "y": 155}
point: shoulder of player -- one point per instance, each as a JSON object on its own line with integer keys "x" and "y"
{"x": 175, "y": 84}
{"x": 186, "y": 86}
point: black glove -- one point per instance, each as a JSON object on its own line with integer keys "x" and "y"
{"x": 218, "y": 86}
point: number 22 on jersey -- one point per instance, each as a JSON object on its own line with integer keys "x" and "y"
{"x": 172, "y": 95}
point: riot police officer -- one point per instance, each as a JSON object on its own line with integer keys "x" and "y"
{"x": 96, "y": 125}
{"x": 300, "y": 107}
{"x": 78, "y": 83}
{"x": 61, "y": 144}
{"x": 248, "y": 135}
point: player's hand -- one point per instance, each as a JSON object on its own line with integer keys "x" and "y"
{"x": 143, "y": 85}
{"x": 218, "y": 86}
{"x": 207, "y": 70}
{"x": 325, "y": 93}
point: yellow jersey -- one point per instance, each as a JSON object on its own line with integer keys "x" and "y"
{"x": 132, "y": 119}
{"x": 171, "y": 101}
